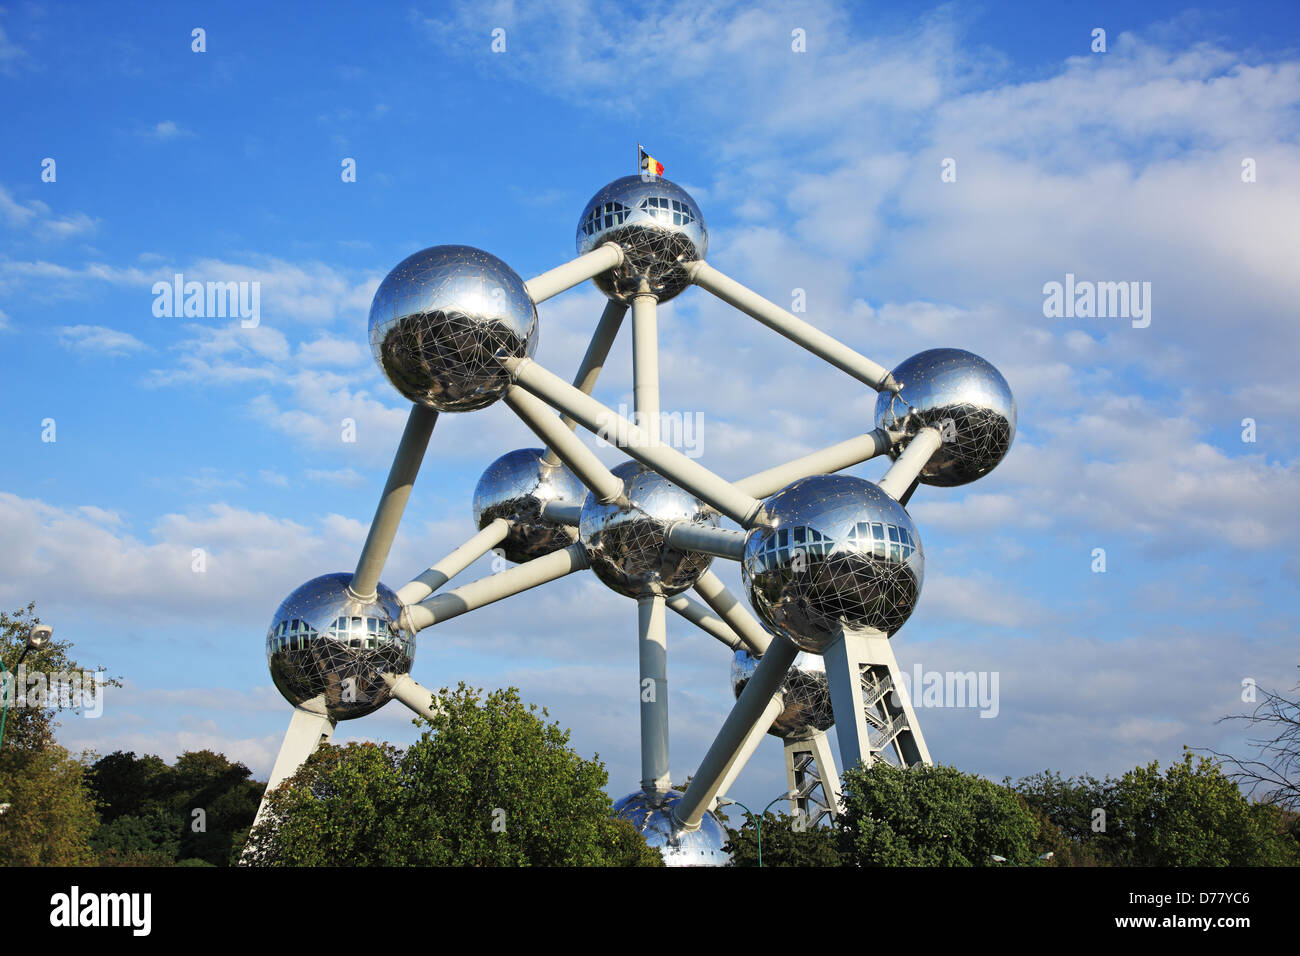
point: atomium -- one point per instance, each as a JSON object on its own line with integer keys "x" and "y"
{"x": 832, "y": 565}
{"x": 651, "y": 813}
{"x": 805, "y": 692}
{"x": 327, "y": 649}
{"x": 515, "y": 487}
{"x": 443, "y": 321}
{"x": 625, "y": 543}
{"x": 840, "y": 554}
{"x": 657, "y": 224}
{"x": 964, "y": 397}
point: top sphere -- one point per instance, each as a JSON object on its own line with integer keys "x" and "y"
{"x": 627, "y": 544}
{"x": 840, "y": 554}
{"x": 442, "y": 322}
{"x": 515, "y": 487}
{"x": 657, "y": 224}
{"x": 966, "y": 399}
{"x": 325, "y": 645}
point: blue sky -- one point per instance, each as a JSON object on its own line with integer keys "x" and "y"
{"x": 816, "y": 170}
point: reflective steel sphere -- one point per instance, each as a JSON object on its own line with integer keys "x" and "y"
{"x": 658, "y": 225}
{"x": 964, "y": 397}
{"x": 651, "y": 814}
{"x": 626, "y": 545}
{"x": 840, "y": 554}
{"x": 443, "y": 320}
{"x": 515, "y": 487}
{"x": 324, "y": 644}
{"x": 806, "y": 692}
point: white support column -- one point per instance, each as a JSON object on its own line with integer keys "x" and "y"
{"x": 407, "y": 691}
{"x": 775, "y": 704}
{"x": 871, "y": 705}
{"x": 745, "y": 510}
{"x": 645, "y": 364}
{"x": 565, "y": 445}
{"x": 721, "y": 542}
{"x": 705, "y": 620}
{"x": 809, "y": 766}
{"x": 751, "y": 708}
{"x": 652, "y": 650}
{"x": 308, "y": 729}
{"x": 495, "y": 587}
{"x": 439, "y": 574}
{"x": 724, "y": 604}
{"x": 905, "y": 470}
{"x": 574, "y": 272}
{"x": 824, "y": 461}
{"x": 795, "y": 329}
{"x": 401, "y": 477}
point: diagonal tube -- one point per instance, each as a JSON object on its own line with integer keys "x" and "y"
{"x": 703, "y": 618}
{"x": 745, "y": 510}
{"x": 905, "y": 470}
{"x": 824, "y": 461}
{"x": 495, "y": 587}
{"x": 401, "y": 478}
{"x": 715, "y": 594}
{"x": 752, "y": 707}
{"x": 574, "y": 272}
{"x": 568, "y": 447}
{"x": 795, "y": 329}
{"x": 457, "y": 561}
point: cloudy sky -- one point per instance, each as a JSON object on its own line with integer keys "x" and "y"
{"x": 1171, "y": 158}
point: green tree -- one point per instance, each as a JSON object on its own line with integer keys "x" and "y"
{"x": 931, "y": 816}
{"x": 784, "y": 844}
{"x": 50, "y": 815}
{"x": 1191, "y": 815}
{"x": 488, "y": 783}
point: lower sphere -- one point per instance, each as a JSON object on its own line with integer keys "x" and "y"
{"x": 805, "y": 691}
{"x": 652, "y": 815}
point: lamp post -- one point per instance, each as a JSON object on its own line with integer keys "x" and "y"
{"x": 36, "y": 638}
{"x": 758, "y": 820}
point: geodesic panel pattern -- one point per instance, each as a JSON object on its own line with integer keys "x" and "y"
{"x": 840, "y": 554}
{"x": 962, "y": 396}
{"x": 627, "y": 545}
{"x": 443, "y": 321}
{"x": 324, "y": 644}
{"x": 515, "y": 487}
{"x": 805, "y": 692}
{"x": 658, "y": 225}
{"x": 651, "y": 814}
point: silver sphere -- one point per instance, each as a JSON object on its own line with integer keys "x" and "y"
{"x": 515, "y": 487}
{"x": 626, "y": 545}
{"x": 657, "y": 224}
{"x": 651, "y": 814}
{"x": 442, "y": 322}
{"x": 963, "y": 396}
{"x": 805, "y": 690}
{"x": 324, "y": 644}
{"x": 840, "y": 554}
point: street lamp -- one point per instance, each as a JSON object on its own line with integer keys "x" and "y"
{"x": 758, "y": 822}
{"x": 36, "y": 639}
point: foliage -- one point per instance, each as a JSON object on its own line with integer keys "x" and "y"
{"x": 488, "y": 783}
{"x": 784, "y": 844}
{"x": 149, "y": 809}
{"x": 1274, "y": 771}
{"x": 1192, "y": 815}
{"x": 931, "y": 816}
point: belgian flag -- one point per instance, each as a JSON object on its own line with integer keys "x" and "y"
{"x": 649, "y": 164}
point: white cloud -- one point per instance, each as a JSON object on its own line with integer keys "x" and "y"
{"x": 98, "y": 340}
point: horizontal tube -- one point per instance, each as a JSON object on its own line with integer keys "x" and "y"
{"x": 824, "y": 461}
{"x": 723, "y": 542}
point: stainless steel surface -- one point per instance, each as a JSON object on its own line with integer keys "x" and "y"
{"x": 442, "y": 322}
{"x": 323, "y": 643}
{"x": 626, "y": 544}
{"x": 651, "y": 814}
{"x": 657, "y": 224}
{"x": 515, "y": 487}
{"x": 840, "y": 554}
{"x": 966, "y": 399}
{"x": 804, "y": 692}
